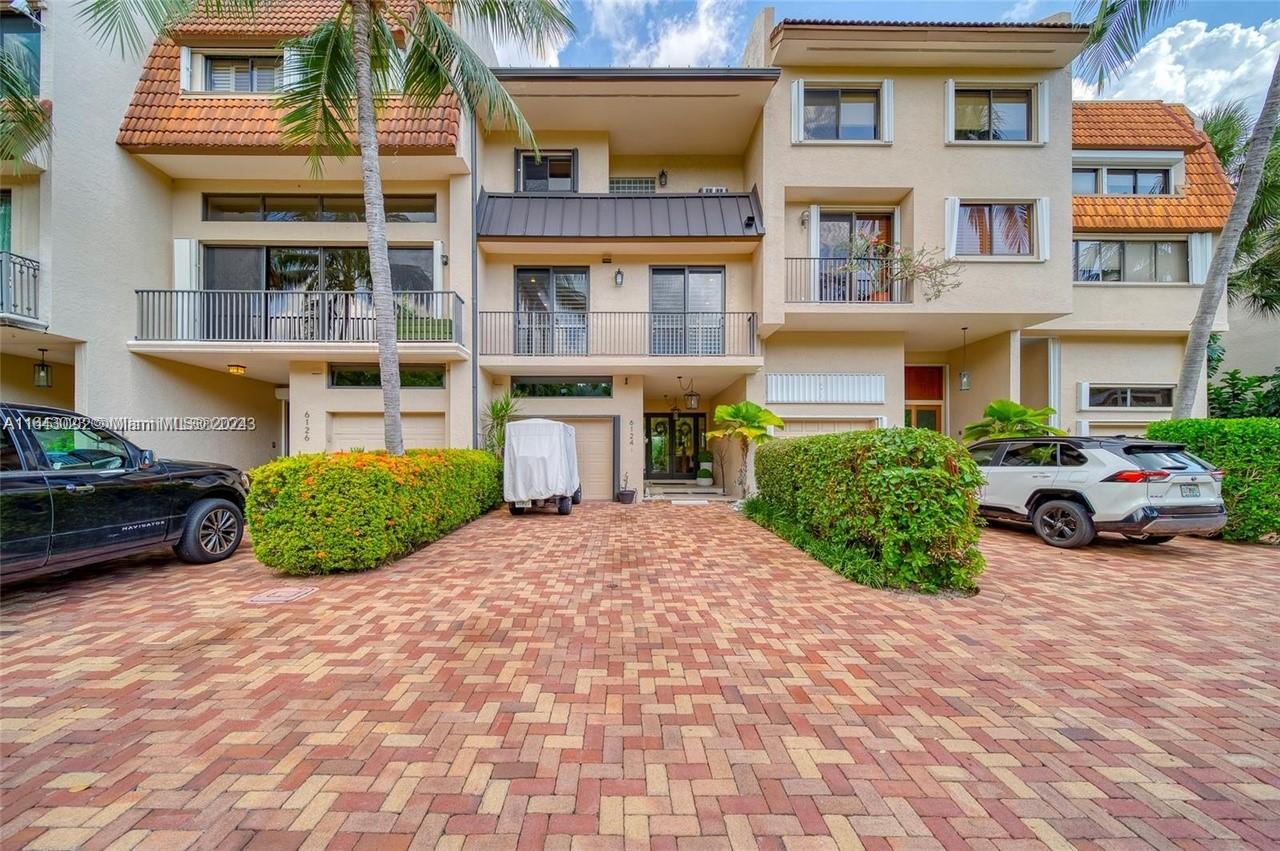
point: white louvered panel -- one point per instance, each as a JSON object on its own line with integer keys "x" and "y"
{"x": 836, "y": 388}
{"x": 266, "y": 76}
{"x": 229, "y": 75}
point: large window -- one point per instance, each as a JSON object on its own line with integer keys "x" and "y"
{"x": 561, "y": 387}
{"x": 1112, "y": 180}
{"x": 1137, "y": 396}
{"x": 20, "y": 40}
{"x": 687, "y": 305}
{"x": 547, "y": 171}
{"x": 995, "y": 230}
{"x": 841, "y": 114}
{"x": 1131, "y": 261}
{"x": 992, "y": 115}
{"x": 551, "y": 310}
{"x": 242, "y": 74}
{"x": 412, "y": 375}
{"x": 314, "y": 208}
{"x": 287, "y": 267}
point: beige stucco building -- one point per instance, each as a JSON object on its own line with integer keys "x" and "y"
{"x": 684, "y": 238}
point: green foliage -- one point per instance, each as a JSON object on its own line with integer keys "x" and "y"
{"x": 1248, "y": 452}
{"x": 1242, "y": 395}
{"x": 705, "y": 456}
{"x": 24, "y": 122}
{"x": 500, "y": 412}
{"x": 747, "y": 423}
{"x": 1117, "y": 31}
{"x": 890, "y": 508}
{"x": 1004, "y": 418}
{"x": 357, "y": 510}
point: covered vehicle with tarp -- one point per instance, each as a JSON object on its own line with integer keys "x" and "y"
{"x": 540, "y": 466}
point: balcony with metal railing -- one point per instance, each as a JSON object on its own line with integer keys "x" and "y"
{"x": 618, "y": 335}
{"x": 846, "y": 281}
{"x": 19, "y": 290}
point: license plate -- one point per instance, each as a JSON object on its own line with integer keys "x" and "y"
{"x": 524, "y": 503}
{"x": 1190, "y": 490}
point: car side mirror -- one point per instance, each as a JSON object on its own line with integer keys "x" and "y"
{"x": 147, "y": 459}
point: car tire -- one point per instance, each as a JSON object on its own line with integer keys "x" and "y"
{"x": 1150, "y": 540}
{"x": 516, "y": 510}
{"x": 577, "y": 496}
{"x": 212, "y": 532}
{"x": 564, "y": 505}
{"x": 1062, "y": 523}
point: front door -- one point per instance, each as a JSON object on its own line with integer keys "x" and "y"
{"x": 672, "y": 443}
{"x": 924, "y": 416}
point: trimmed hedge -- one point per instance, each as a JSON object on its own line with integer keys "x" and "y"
{"x": 890, "y": 508}
{"x": 1248, "y": 452}
{"x": 357, "y": 510}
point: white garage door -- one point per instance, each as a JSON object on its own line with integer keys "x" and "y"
{"x": 364, "y": 431}
{"x": 595, "y": 455}
{"x": 802, "y": 428}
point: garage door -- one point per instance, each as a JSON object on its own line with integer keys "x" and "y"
{"x": 595, "y": 455}
{"x": 801, "y": 428}
{"x": 364, "y": 431}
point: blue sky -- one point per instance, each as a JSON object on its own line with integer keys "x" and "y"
{"x": 1209, "y": 51}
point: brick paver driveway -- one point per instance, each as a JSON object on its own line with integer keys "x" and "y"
{"x": 655, "y": 676}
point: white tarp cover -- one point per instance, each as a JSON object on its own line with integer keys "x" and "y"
{"x": 539, "y": 461}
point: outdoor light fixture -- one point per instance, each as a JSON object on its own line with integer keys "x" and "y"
{"x": 662, "y": 177}
{"x": 692, "y": 400}
{"x": 236, "y": 368}
{"x": 804, "y": 219}
{"x": 617, "y": 278}
{"x": 42, "y": 373}
{"x": 964, "y": 358}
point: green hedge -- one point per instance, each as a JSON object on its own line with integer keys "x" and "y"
{"x": 357, "y": 510}
{"x": 893, "y": 508}
{"x": 1248, "y": 451}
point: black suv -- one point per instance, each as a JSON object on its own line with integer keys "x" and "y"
{"x": 72, "y": 493}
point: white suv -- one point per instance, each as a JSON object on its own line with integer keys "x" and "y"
{"x": 1071, "y": 488}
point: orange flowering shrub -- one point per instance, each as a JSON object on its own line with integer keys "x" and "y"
{"x": 356, "y": 510}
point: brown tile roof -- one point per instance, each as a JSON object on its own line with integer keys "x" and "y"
{"x": 1151, "y": 125}
{"x": 271, "y": 19}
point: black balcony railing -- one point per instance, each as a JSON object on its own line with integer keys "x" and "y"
{"x": 578, "y": 334}
{"x": 19, "y": 286}
{"x": 293, "y": 316}
{"x": 846, "y": 280}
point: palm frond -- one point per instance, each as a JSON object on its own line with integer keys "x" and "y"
{"x": 540, "y": 24}
{"x": 1227, "y": 125}
{"x": 320, "y": 91}
{"x": 129, "y": 25}
{"x": 1255, "y": 285}
{"x": 25, "y": 126}
{"x": 1117, "y": 31}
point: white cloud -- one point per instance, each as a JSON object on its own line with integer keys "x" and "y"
{"x": 707, "y": 35}
{"x": 517, "y": 54}
{"x": 1193, "y": 64}
{"x": 1020, "y": 11}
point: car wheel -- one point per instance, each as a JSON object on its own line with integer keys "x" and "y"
{"x": 1150, "y": 539}
{"x": 213, "y": 531}
{"x": 516, "y": 510}
{"x": 564, "y": 504}
{"x": 1062, "y": 523}
{"x": 577, "y": 495}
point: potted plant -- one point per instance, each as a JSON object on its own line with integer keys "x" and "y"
{"x": 705, "y": 461}
{"x": 626, "y": 495}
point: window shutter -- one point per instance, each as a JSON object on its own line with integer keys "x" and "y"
{"x": 1083, "y": 400}
{"x": 797, "y": 111}
{"x": 1042, "y": 112}
{"x": 186, "y": 276}
{"x": 886, "y": 111}
{"x": 815, "y": 221}
{"x": 437, "y": 268}
{"x": 949, "y": 111}
{"x": 185, "y": 57}
{"x": 1199, "y": 255}
{"x": 519, "y": 171}
{"x": 291, "y": 69}
{"x": 573, "y": 170}
{"x": 951, "y": 207}
{"x": 266, "y": 76}
{"x": 1043, "y": 234}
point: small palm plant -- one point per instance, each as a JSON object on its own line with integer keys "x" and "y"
{"x": 501, "y": 411}
{"x": 748, "y": 423}
{"x": 1005, "y": 418}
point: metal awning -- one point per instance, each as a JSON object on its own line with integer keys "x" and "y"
{"x": 733, "y": 215}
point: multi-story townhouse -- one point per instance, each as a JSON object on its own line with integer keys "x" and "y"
{"x": 680, "y": 240}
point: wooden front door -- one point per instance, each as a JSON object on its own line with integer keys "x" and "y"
{"x": 924, "y": 416}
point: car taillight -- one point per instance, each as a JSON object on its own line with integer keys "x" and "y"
{"x": 1134, "y": 477}
{"x": 1217, "y": 475}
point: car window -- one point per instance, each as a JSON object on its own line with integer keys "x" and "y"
{"x": 983, "y": 455}
{"x": 1166, "y": 459}
{"x": 79, "y": 448}
{"x": 1030, "y": 454}
{"x": 9, "y": 457}
{"x": 1069, "y": 456}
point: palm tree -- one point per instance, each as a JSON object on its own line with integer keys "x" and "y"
{"x": 1117, "y": 32}
{"x": 1255, "y": 280}
{"x": 24, "y": 121}
{"x": 352, "y": 61}
{"x": 748, "y": 423}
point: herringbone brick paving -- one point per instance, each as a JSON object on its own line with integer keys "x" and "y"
{"x": 649, "y": 676}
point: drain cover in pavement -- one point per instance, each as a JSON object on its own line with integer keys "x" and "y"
{"x": 287, "y": 594}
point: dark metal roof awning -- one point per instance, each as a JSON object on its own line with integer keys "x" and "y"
{"x": 734, "y": 215}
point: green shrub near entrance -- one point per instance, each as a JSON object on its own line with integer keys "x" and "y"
{"x": 1248, "y": 452}
{"x": 890, "y": 508}
{"x": 356, "y": 510}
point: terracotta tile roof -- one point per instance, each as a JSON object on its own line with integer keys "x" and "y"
{"x": 161, "y": 118}
{"x": 1151, "y": 125}
{"x": 272, "y": 19}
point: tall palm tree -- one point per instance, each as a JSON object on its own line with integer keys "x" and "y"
{"x": 352, "y": 61}
{"x": 1118, "y": 30}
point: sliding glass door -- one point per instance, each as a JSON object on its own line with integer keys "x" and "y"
{"x": 686, "y": 311}
{"x": 551, "y": 311}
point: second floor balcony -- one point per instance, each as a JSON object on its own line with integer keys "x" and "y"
{"x": 19, "y": 290}
{"x": 620, "y": 334}
{"x": 846, "y": 280}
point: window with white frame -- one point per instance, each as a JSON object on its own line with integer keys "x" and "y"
{"x": 1120, "y": 180}
{"x": 995, "y": 230}
{"x": 1131, "y": 260}
{"x": 1126, "y": 396}
{"x": 831, "y": 111}
{"x": 242, "y": 74}
{"x": 993, "y": 115}
{"x": 546, "y": 171}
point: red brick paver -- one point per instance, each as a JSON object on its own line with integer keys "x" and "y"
{"x": 648, "y": 676}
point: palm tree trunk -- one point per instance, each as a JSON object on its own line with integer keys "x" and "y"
{"x": 1215, "y": 285}
{"x": 375, "y": 215}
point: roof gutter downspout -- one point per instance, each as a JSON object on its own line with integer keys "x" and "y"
{"x": 475, "y": 292}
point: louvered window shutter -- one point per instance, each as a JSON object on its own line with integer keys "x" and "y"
{"x": 797, "y": 111}
{"x": 266, "y": 75}
{"x": 1042, "y": 227}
